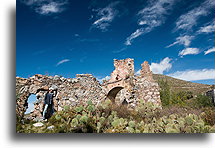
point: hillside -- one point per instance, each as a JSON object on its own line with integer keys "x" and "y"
{"x": 181, "y": 85}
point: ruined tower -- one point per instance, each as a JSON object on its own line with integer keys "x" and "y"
{"x": 146, "y": 72}
{"x": 123, "y": 69}
{"x": 124, "y": 86}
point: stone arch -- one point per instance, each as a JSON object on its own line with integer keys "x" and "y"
{"x": 113, "y": 92}
{"x": 125, "y": 102}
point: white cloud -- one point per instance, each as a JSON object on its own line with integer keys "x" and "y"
{"x": 153, "y": 15}
{"x": 183, "y": 40}
{"x": 192, "y": 75}
{"x": 120, "y": 50}
{"x": 102, "y": 79}
{"x": 76, "y": 35}
{"x": 52, "y": 7}
{"x": 188, "y": 51}
{"x": 150, "y": 17}
{"x": 210, "y": 50}
{"x": 46, "y": 7}
{"x": 188, "y": 20}
{"x": 159, "y": 68}
{"x": 134, "y": 35}
{"x": 207, "y": 29}
{"x": 62, "y": 61}
{"x": 138, "y": 72}
{"x": 106, "y": 16}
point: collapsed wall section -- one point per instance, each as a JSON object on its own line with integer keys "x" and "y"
{"x": 69, "y": 92}
{"x": 145, "y": 86}
{"x": 123, "y": 87}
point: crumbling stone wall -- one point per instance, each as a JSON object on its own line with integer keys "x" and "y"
{"x": 122, "y": 77}
{"x": 123, "y": 87}
{"x": 135, "y": 87}
{"x": 145, "y": 72}
{"x": 70, "y": 91}
{"x": 145, "y": 86}
{"x": 123, "y": 69}
{"x": 146, "y": 90}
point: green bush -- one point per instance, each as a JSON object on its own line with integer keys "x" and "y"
{"x": 203, "y": 101}
{"x": 165, "y": 93}
{"x": 169, "y": 97}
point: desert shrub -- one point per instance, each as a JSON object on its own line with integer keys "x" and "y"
{"x": 21, "y": 123}
{"x": 122, "y": 110}
{"x": 203, "y": 101}
{"x": 184, "y": 95}
{"x": 107, "y": 118}
{"x": 208, "y": 115}
{"x": 165, "y": 93}
{"x": 173, "y": 98}
{"x": 177, "y": 98}
{"x": 179, "y": 110}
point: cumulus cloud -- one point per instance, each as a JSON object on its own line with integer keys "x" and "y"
{"x": 189, "y": 19}
{"x": 105, "y": 16}
{"x": 102, "y": 79}
{"x": 159, "y": 68}
{"x": 182, "y": 40}
{"x": 209, "y": 50}
{"x": 192, "y": 75}
{"x": 46, "y": 7}
{"x": 62, "y": 61}
{"x": 138, "y": 72}
{"x": 150, "y": 17}
{"x": 188, "y": 51}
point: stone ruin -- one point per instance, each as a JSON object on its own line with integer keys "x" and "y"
{"x": 126, "y": 88}
{"x": 123, "y": 87}
{"x": 71, "y": 91}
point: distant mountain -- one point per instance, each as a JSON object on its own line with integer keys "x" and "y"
{"x": 181, "y": 85}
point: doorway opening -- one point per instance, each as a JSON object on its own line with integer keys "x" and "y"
{"x": 31, "y": 99}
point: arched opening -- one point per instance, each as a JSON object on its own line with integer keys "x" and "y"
{"x": 124, "y": 102}
{"x": 113, "y": 92}
{"x": 30, "y": 103}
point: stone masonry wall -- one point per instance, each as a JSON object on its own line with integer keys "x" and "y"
{"x": 74, "y": 91}
{"x": 123, "y": 69}
{"x": 135, "y": 87}
{"x": 70, "y": 91}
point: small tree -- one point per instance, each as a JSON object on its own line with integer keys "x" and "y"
{"x": 165, "y": 93}
{"x": 204, "y": 101}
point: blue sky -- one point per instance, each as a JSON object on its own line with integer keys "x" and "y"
{"x": 62, "y": 37}
{"x": 32, "y": 98}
